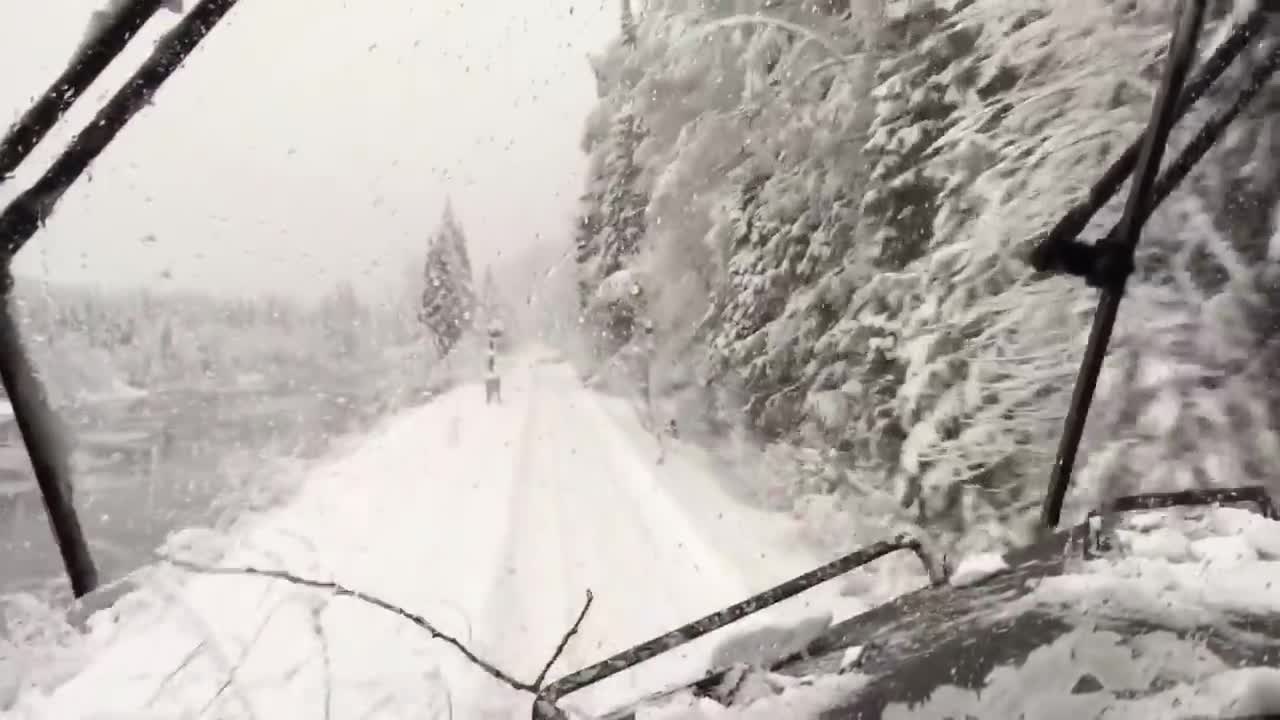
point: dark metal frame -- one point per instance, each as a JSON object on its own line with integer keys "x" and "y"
{"x": 1108, "y": 263}
{"x": 1105, "y": 264}
{"x": 24, "y": 216}
{"x": 1093, "y": 543}
{"x": 691, "y": 631}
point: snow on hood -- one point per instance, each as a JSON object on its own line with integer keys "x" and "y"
{"x": 1092, "y": 674}
{"x": 1187, "y": 566}
{"x": 1182, "y": 569}
{"x": 976, "y": 568}
{"x": 773, "y": 696}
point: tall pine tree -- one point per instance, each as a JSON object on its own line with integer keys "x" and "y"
{"x": 612, "y": 231}
{"x": 448, "y": 299}
{"x": 612, "y": 218}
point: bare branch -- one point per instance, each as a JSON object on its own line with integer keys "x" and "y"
{"x": 186, "y": 662}
{"x": 564, "y": 641}
{"x": 317, "y": 625}
{"x": 235, "y": 669}
{"x": 341, "y": 590}
{"x": 338, "y": 589}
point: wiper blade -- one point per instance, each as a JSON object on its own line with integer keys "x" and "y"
{"x": 18, "y": 223}
{"x": 686, "y": 633}
{"x": 1115, "y": 259}
{"x": 1047, "y": 254}
{"x": 24, "y": 215}
{"x": 94, "y": 57}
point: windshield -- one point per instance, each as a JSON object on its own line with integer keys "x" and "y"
{"x": 406, "y": 357}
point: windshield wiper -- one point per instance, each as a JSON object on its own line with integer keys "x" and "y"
{"x": 1108, "y": 263}
{"x": 97, "y": 53}
{"x": 691, "y": 631}
{"x": 24, "y": 216}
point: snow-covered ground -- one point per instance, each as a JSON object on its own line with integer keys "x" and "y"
{"x": 491, "y": 522}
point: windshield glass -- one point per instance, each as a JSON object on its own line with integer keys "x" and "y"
{"x": 551, "y": 327}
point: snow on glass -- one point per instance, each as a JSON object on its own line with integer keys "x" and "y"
{"x": 820, "y": 208}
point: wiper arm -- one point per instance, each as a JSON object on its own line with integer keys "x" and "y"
{"x": 1049, "y": 254}
{"x": 40, "y": 434}
{"x": 579, "y": 679}
{"x": 23, "y": 216}
{"x": 1117, "y": 261}
{"x": 96, "y": 54}
{"x": 18, "y": 223}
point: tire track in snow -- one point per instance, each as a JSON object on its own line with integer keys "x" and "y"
{"x": 515, "y": 638}
{"x": 475, "y": 693}
{"x": 571, "y": 526}
{"x": 585, "y": 509}
{"x": 638, "y": 482}
{"x": 650, "y": 572}
{"x": 635, "y": 599}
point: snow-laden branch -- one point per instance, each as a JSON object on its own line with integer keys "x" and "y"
{"x": 828, "y": 64}
{"x": 343, "y": 591}
{"x": 809, "y": 34}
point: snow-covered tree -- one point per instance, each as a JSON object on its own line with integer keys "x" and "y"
{"x": 716, "y": 86}
{"x": 981, "y": 353}
{"x": 615, "y": 217}
{"x": 988, "y": 352}
{"x": 622, "y": 204}
{"x": 840, "y": 197}
{"x": 344, "y": 320}
{"x": 915, "y": 97}
{"x": 448, "y": 298}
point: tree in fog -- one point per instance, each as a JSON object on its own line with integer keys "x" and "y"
{"x": 343, "y": 319}
{"x": 448, "y": 298}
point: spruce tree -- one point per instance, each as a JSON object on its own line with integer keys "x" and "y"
{"x": 448, "y": 298}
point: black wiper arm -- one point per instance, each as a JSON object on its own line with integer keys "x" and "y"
{"x": 18, "y": 223}
{"x": 1088, "y": 260}
{"x": 97, "y": 53}
{"x": 45, "y": 448}
{"x": 579, "y": 679}
{"x": 1209, "y": 133}
{"x": 1049, "y": 253}
{"x": 23, "y": 216}
{"x": 1117, "y": 261}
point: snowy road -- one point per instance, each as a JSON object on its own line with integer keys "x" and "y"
{"x": 491, "y": 521}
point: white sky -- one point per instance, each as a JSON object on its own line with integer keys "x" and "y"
{"x": 308, "y": 141}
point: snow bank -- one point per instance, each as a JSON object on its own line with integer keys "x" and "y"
{"x": 256, "y": 647}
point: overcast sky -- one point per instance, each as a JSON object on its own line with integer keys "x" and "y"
{"x": 308, "y": 141}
